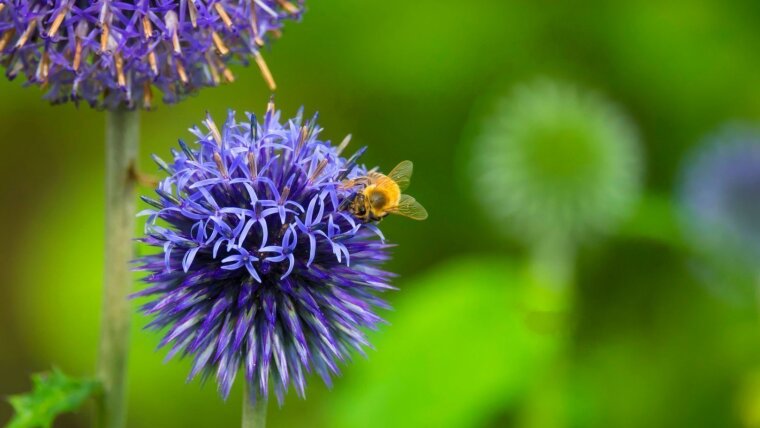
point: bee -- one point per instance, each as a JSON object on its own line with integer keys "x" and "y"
{"x": 379, "y": 195}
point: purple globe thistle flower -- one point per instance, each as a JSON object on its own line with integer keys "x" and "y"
{"x": 112, "y": 53}
{"x": 720, "y": 193}
{"x": 261, "y": 269}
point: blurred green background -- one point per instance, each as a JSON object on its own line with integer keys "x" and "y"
{"x": 641, "y": 340}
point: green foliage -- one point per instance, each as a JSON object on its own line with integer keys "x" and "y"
{"x": 52, "y": 394}
{"x": 463, "y": 347}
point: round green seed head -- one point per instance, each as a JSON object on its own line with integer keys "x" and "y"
{"x": 554, "y": 162}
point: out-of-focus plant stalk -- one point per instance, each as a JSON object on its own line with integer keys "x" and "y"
{"x": 254, "y": 414}
{"x": 553, "y": 264}
{"x": 549, "y": 311}
{"x": 122, "y": 137}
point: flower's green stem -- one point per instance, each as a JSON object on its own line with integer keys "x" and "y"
{"x": 549, "y": 304}
{"x": 122, "y": 137}
{"x": 254, "y": 414}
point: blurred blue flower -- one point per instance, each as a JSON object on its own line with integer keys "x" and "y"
{"x": 260, "y": 268}
{"x": 111, "y": 53}
{"x": 720, "y": 192}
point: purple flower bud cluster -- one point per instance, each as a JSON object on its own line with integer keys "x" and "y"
{"x": 113, "y": 53}
{"x": 260, "y": 268}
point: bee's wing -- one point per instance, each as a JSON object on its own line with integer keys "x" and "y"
{"x": 402, "y": 174}
{"x": 386, "y": 184}
{"x": 409, "y": 207}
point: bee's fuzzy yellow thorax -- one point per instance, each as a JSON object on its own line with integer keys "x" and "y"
{"x": 382, "y": 197}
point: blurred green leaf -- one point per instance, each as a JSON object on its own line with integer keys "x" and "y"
{"x": 52, "y": 394}
{"x": 460, "y": 350}
{"x": 655, "y": 219}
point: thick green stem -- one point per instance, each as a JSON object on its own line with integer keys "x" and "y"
{"x": 254, "y": 413}
{"x": 122, "y": 137}
{"x": 552, "y": 263}
{"x": 549, "y": 304}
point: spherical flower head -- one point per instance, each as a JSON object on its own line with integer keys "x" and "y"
{"x": 720, "y": 193}
{"x": 260, "y": 267}
{"x": 554, "y": 162}
{"x": 113, "y": 53}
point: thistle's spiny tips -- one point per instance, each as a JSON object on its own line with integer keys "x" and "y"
{"x": 254, "y": 128}
{"x": 252, "y": 169}
{"x": 255, "y": 23}
{"x": 228, "y": 76}
{"x": 105, "y": 36}
{"x": 288, "y": 6}
{"x": 7, "y": 36}
{"x": 181, "y": 71}
{"x": 193, "y": 11}
{"x": 221, "y": 48}
{"x": 147, "y": 27}
{"x": 43, "y": 68}
{"x": 103, "y": 15}
{"x": 270, "y": 105}
{"x": 147, "y": 95}
{"x": 172, "y": 23}
{"x": 211, "y": 125}
{"x": 318, "y": 170}
{"x": 26, "y": 34}
{"x": 284, "y": 195}
{"x": 153, "y": 63}
{"x": 219, "y": 8}
{"x": 80, "y": 34}
{"x": 15, "y": 70}
{"x": 265, "y": 72}
{"x": 113, "y": 44}
{"x": 301, "y": 140}
{"x": 343, "y": 144}
{"x": 57, "y": 22}
{"x": 220, "y": 164}
{"x": 119, "y": 63}
{"x": 211, "y": 61}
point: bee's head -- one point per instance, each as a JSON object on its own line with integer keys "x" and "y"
{"x": 347, "y": 201}
{"x": 361, "y": 204}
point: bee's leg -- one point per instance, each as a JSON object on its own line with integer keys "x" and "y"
{"x": 353, "y": 182}
{"x": 346, "y": 202}
{"x": 347, "y": 184}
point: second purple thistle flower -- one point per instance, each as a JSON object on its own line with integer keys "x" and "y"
{"x": 113, "y": 53}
